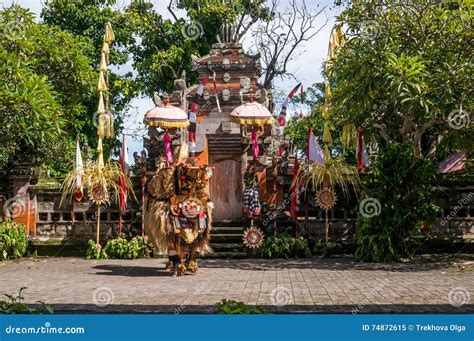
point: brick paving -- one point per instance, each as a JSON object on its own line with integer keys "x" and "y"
{"x": 339, "y": 285}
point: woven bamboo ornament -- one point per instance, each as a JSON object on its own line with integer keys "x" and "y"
{"x": 349, "y": 136}
{"x": 109, "y": 35}
{"x": 100, "y": 151}
{"x": 102, "y": 85}
{"x": 101, "y": 107}
{"x": 336, "y": 40}
{"x": 109, "y": 125}
{"x": 103, "y": 62}
{"x": 106, "y": 51}
{"x": 327, "y": 132}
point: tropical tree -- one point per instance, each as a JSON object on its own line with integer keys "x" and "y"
{"x": 46, "y": 79}
{"x": 405, "y": 77}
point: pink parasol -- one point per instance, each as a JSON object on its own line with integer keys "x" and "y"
{"x": 251, "y": 113}
{"x": 166, "y": 116}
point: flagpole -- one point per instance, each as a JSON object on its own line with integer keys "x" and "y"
{"x": 327, "y": 226}
{"x": 143, "y": 205}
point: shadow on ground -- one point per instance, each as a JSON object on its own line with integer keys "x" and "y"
{"x": 334, "y": 264}
{"x": 130, "y": 271}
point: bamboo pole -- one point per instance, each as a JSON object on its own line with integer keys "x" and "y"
{"x": 327, "y": 226}
{"x": 98, "y": 225}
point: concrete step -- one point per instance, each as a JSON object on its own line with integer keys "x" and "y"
{"x": 232, "y": 255}
{"x": 231, "y": 247}
{"x": 226, "y": 223}
{"x": 226, "y": 237}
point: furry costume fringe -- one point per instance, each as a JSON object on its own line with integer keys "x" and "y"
{"x": 156, "y": 226}
{"x": 155, "y": 217}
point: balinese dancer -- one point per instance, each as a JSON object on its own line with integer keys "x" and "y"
{"x": 178, "y": 214}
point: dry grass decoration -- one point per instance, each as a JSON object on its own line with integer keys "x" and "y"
{"x": 101, "y": 182}
{"x": 324, "y": 178}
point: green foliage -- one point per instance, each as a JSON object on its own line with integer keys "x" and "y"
{"x": 95, "y": 251}
{"x": 406, "y": 193}
{"x": 235, "y": 307}
{"x": 284, "y": 246}
{"x": 121, "y": 248}
{"x": 327, "y": 250}
{"x": 46, "y": 80}
{"x": 14, "y": 305}
{"x": 402, "y": 80}
{"x": 13, "y": 240}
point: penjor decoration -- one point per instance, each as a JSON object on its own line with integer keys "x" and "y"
{"x": 100, "y": 180}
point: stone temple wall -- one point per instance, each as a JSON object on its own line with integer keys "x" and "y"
{"x": 52, "y": 222}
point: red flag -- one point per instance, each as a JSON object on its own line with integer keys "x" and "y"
{"x": 282, "y": 115}
{"x": 201, "y": 86}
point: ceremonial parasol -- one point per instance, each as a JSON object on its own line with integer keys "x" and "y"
{"x": 166, "y": 116}
{"x": 251, "y": 113}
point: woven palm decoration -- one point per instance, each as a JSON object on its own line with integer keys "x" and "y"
{"x": 326, "y": 198}
{"x": 253, "y": 237}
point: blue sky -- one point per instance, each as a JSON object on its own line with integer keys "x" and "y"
{"x": 307, "y": 68}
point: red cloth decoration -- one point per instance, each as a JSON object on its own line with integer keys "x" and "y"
{"x": 256, "y": 149}
{"x": 169, "y": 155}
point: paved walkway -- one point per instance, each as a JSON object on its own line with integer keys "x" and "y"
{"x": 310, "y": 285}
